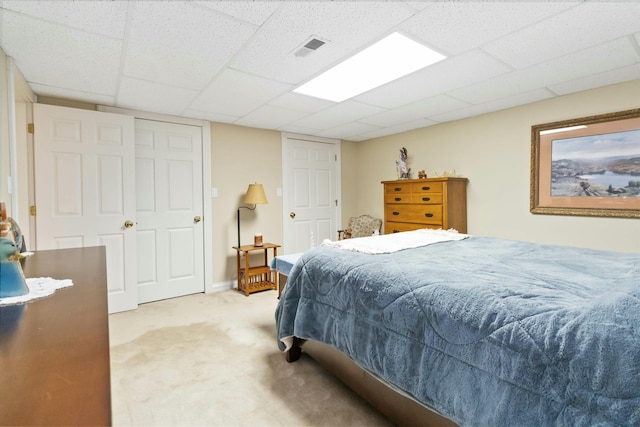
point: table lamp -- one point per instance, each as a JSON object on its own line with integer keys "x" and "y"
{"x": 255, "y": 196}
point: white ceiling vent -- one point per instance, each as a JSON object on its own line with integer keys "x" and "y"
{"x": 309, "y": 46}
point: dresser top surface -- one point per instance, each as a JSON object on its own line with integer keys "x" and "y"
{"x": 438, "y": 179}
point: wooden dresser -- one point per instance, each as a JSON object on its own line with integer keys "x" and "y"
{"x": 54, "y": 351}
{"x": 410, "y": 204}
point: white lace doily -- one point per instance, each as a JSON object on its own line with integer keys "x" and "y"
{"x": 39, "y": 287}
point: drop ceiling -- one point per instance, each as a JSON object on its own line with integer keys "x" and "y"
{"x": 235, "y": 61}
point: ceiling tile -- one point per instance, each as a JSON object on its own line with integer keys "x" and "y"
{"x": 153, "y": 97}
{"x": 254, "y": 12}
{"x": 338, "y": 115}
{"x": 580, "y": 28}
{"x": 59, "y": 56}
{"x": 205, "y": 115}
{"x": 418, "y": 5}
{"x": 107, "y": 18}
{"x": 302, "y": 130}
{"x": 236, "y": 93}
{"x": 56, "y": 92}
{"x": 609, "y": 56}
{"x": 422, "y": 123}
{"x": 271, "y": 52}
{"x": 456, "y": 27}
{"x": 441, "y": 77}
{"x": 415, "y": 111}
{"x": 619, "y": 75}
{"x": 499, "y": 104}
{"x": 171, "y": 44}
{"x": 269, "y": 116}
{"x": 348, "y": 131}
{"x": 296, "y": 101}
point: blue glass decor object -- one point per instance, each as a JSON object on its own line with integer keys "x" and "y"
{"x": 12, "y": 282}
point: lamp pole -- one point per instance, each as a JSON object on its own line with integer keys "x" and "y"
{"x": 240, "y": 207}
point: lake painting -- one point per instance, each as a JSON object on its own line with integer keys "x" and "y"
{"x": 606, "y": 165}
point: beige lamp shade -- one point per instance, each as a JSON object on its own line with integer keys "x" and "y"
{"x": 255, "y": 195}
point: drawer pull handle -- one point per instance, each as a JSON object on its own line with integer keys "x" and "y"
{"x": 397, "y": 199}
{"x": 428, "y": 215}
{"x": 426, "y": 188}
{"x": 396, "y": 213}
{"x": 426, "y": 199}
{"x": 397, "y": 189}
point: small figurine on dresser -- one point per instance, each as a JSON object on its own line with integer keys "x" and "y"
{"x": 422, "y": 174}
{"x": 401, "y": 165}
{"x": 12, "y": 281}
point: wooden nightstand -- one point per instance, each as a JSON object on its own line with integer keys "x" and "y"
{"x": 258, "y": 277}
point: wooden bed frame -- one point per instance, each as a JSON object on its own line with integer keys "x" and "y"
{"x": 400, "y": 409}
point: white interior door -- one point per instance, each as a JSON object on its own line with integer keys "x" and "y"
{"x": 169, "y": 194}
{"x": 311, "y": 192}
{"x": 84, "y": 173}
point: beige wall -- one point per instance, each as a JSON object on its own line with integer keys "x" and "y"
{"x": 22, "y": 95}
{"x": 349, "y": 179}
{"x": 241, "y": 156}
{"x": 5, "y": 166}
{"x": 493, "y": 151}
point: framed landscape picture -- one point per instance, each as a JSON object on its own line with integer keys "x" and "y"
{"x": 588, "y": 166}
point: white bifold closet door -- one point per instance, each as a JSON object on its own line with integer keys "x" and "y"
{"x": 132, "y": 186}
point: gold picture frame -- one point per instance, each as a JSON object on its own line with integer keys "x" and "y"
{"x": 589, "y": 166}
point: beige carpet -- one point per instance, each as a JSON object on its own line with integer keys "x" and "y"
{"x": 212, "y": 360}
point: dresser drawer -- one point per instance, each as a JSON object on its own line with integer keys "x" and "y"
{"x": 396, "y": 227}
{"x": 425, "y": 214}
{"x": 426, "y": 187}
{"x": 398, "y": 198}
{"x": 426, "y": 198}
{"x": 420, "y": 199}
{"x": 397, "y": 187}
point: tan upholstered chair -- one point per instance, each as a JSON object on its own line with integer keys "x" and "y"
{"x": 360, "y": 226}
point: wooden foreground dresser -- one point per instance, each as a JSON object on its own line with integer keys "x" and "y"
{"x": 410, "y": 204}
{"x": 54, "y": 351}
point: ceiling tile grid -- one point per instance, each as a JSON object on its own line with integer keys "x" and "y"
{"x": 172, "y": 44}
{"x": 237, "y": 93}
{"x": 100, "y": 17}
{"x": 138, "y": 94}
{"x": 346, "y": 26}
{"x": 574, "y": 30}
{"x": 452, "y": 73}
{"x": 235, "y": 61}
{"x": 60, "y": 56}
{"x": 456, "y": 27}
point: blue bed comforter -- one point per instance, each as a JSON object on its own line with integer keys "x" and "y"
{"x": 487, "y": 331}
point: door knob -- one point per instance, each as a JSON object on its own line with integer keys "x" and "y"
{"x": 292, "y": 214}
{"x": 128, "y": 224}
{"x": 197, "y": 219}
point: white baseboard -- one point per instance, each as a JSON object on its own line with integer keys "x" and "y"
{"x": 221, "y": 286}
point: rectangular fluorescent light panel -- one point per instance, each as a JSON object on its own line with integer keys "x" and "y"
{"x": 389, "y": 59}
